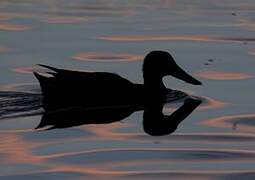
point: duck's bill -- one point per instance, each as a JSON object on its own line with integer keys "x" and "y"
{"x": 182, "y": 75}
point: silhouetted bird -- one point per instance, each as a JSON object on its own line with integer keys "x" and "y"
{"x": 67, "y": 88}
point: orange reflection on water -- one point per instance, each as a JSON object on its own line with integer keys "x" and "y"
{"x": 127, "y": 156}
{"x": 212, "y": 104}
{"x": 243, "y": 122}
{"x": 198, "y": 38}
{"x": 17, "y": 150}
{"x": 13, "y": 27}
{"x": 3, "y": 49}
{"x": 4, "y": 16}
{"x": 218, "y": 75}
{"x": 64, "y": 20}
{"x": 87, "y": 170}
{"x": 25, "y": 70}
{"x": 106, "y": 57}
{"x": 155, "y": 38}
{"x": 207, "y": 103}
{"x": 107, "y": 131}
{"x": 208, "y": 138}
{"x": 12, "y": 15}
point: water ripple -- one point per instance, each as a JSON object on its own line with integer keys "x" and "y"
{"x": 149, "y": 154}
{"x": 193, "y": 38}
{"x": 106, "y": 57}
{"x": 217, "y": 75}
{"x": 13, "y": 27}
{"x": 241, "y": 122}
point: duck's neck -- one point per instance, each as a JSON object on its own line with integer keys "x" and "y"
{"x": 154, "y": 84}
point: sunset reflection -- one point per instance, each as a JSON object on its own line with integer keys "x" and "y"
{"x": 106, "y": 57}
{"x": 17, "y": 150}
{"x": 65, "y": 20}
{"x": 243, "y": 122}
{"x": 195, "y": 38}
{"x": 211, "y": 103}
{"x": 13, "y": 27}
{"x": 220, "y": 75}
{"x": 3, "y": 49}
{"x": 213, "y": 40}
{"x": 25, "y": 70}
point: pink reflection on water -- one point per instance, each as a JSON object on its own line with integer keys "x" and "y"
{"x": 3, "y": 49}
{"x": 86, "y": 170}
{"x": 220, "y": 75}
{"x": 212, "y": 104}
{"x": 5, "y": 16}
{"x": 207, "y": 103}
{"x": 241, "y": 122}
{"x": 11, "y": 15}
{"x": 13, "y": 27}
{"x": 196, "y": 38}
{"x": 64, "y": 20}
{"x": 107, "y": 131}
{"x": 106, "y": 57}
{"x": 26, "y": 70}
{"x": 17, "y": 150}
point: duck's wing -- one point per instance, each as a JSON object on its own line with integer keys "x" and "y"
{"x": 77, "y": 85}
{"x": 63, "y": 73}
{"x": 49, "y": 67}
{"x": 74, "y": 76}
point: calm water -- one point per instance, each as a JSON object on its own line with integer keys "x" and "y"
{"x": 212, "y": 39}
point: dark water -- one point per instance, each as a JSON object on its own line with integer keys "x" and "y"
{"x": 211, "y": 39}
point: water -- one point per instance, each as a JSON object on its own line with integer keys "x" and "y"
{"x": 211, "y": 39}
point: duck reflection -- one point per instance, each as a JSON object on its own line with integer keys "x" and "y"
{"x": 77, "y": 116}
{"x": 155, "y": 123}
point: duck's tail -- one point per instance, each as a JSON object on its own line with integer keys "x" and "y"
{"x": 46, "y": 83}
{"x": 39, "y": 77}
{"x": 49, "y": 67}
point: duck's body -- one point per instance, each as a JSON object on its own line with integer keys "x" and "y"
{"x": 74, "y": 88}
{"x": 88, "y": 88}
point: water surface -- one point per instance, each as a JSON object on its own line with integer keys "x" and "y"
{"x": 212, "y": 39}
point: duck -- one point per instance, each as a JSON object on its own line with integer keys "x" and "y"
{"x": 65, "y": 88}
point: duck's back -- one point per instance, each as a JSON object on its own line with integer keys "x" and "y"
{"x": 67, "y": 87}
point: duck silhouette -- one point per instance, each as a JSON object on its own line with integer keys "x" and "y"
{"x": 67, "y": 88}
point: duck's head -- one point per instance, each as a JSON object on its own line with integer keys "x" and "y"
{"x": 158, "y": 64}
